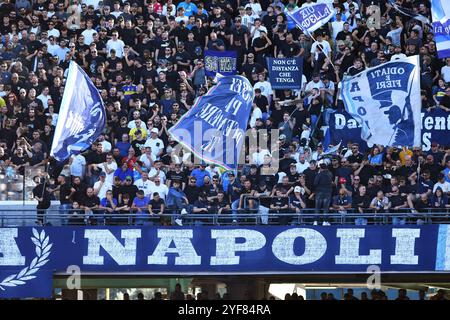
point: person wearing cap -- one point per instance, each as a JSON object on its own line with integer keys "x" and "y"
{"x": 102, "y": 186}
{"x": 155, "y": 143}
{"x": 297, "y": 201}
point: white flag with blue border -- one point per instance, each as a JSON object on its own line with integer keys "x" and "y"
{"x": 386, "y": 102}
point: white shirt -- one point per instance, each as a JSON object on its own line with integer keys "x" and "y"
{"x": 145, "y": 186}
{"x": 146, "y": 160}
{"x": 266, "y": 88}
{"x": 256, "y": 113}
{"x": 88, "y": 35}
{"x": 117, "y": 45}
{"x": 337, "y": 27}
{"x": 102, "y": 188}
{"x": 156, "y": 145}
{"x": 256, "y": 8}
{"x": 161, "y": 189}
{"x": 311, "y": 85}
{"x": 91, "y": 3}
{"x": 132, "y": 125}
{"x": 54, "y": 32}
{"x": 302, "y": 166}
{"x": 109, "y": 177}
{"x": 44, "y": 100}
{"x": 257, "y": 33}
{"x": 169, "y": 11}
{"x": 445, "y": 71}
{"x": 444, "y": 186}
{"x": 326, "y": 48}
{"x": 162, "y": 175}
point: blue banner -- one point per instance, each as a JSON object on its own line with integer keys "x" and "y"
{"x": 435, "y": 128}
{"x": 222, "y": 62}
{"x": 440, "y": 13}
{"x": 285, "y": 73}
{"x": 214, "y": 128}
{"x": 386, "y": 102}
{"x": 30, "y": 256}
{"x": 311, "y": 18}
{"x": 82, "y": 115}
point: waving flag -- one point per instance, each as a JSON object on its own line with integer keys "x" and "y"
{"x": 386, "y": 102}
{"x": 214, "y": 128}
{"x": 440, "y": 14}
{"x": 82, "y": 115}
{"x": 408, "y": 12}
{"x": 313, "y": 17}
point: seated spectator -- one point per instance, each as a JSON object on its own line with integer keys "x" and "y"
{"x": 156, "y": 206}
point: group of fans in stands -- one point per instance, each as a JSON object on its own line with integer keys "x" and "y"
{"x": 146, "y": 59}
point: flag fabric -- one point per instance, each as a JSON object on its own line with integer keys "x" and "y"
{"x": 214, "y": 128}
{"x": 440, "y": 13}
{"x": 408, "y": 12}
{"x": 82, "y": 115}
{"x": 312, "y": 17}
{"x": 386, "y": 102}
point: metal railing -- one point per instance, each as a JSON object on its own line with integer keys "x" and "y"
{"x": 21, "y": 217}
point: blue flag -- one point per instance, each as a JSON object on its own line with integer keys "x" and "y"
{"x": 82, "y": 115}
{"x": 313, "y": 17}
{"x": 214, "y": 128}
{"x": 440, "y": 13}
{"x": 386, "y": 102}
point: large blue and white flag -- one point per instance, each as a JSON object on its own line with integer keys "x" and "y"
{"x": 214, "y": 128}
{"x": 82, "y": 115}
{"x": 440, "y": 13}
{"x": 408, "y": 12}
{"x": 312, "y": 17}
{"x": 386, "y": 102}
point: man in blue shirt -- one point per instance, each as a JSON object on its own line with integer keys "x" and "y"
{"x": 189, "y": 7}
{"x": 140, "y": 206}
{"x": 200, "y": 173}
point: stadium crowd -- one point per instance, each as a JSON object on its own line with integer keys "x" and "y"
{"x": 146, "y": 59}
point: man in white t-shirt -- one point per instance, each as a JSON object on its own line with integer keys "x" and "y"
{"x": 155, "y": 143}
{"x": 445, "y": 71}
{"x": 264, "y": 86}
{"x": 443, "y": 184}
{"x": 302, "y": 164}
{"x": 322, "y": 44}
{"x": 144, "y": 184}
{"x": 88, "y": 34}
{"x": 109, "y": 167}
{"x": 256, "y": 114}
{"x": 314, "y": 83}
{"x": 102, "y": 186}
{"x": 159, "y": 187}
{"x": 148, "y": 158}
{"x": 116, "y": 44}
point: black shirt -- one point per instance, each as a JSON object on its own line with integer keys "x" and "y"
{"x": 156, "y": 205}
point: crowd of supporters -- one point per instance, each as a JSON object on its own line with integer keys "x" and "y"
{"x": 146, "y": 59}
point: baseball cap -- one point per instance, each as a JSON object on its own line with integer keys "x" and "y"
{"x": 129, "y": 178}
{"x": 155, "y": 130}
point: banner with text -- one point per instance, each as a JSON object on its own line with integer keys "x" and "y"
{"x": 223, "y": 62}
{"x": 435, "y": 128}
{"x": 285, "y": 73}
{"x": 29, "y": 256}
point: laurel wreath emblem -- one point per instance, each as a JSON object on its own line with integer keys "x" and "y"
{"x": 41, "y": 241}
